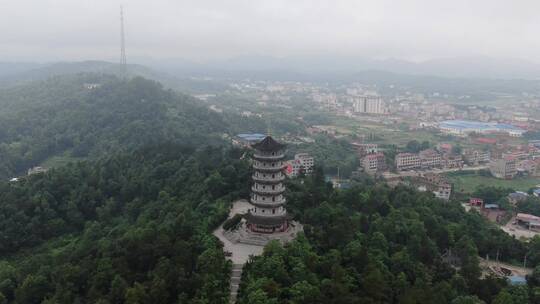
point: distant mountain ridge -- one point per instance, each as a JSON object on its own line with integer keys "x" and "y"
{"x": 442, "y": 76}
{"x": 24, "y": 73}
{"x": 17, "y": 73}
{"x": 458, "y": 67}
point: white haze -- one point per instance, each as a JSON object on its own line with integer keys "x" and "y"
{"x": 203, "y": 30}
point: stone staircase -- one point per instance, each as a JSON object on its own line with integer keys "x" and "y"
{"x": 236, "y": 276}
{"x": 243, "y": 236}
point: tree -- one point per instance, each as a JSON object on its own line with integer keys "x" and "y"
{"x": 33, "y": 289}
{"x": 304, "y": 293}
{"x": 118, "y": 290}
{"x": 467, "y": 300}
{"x": 136, "y": 294}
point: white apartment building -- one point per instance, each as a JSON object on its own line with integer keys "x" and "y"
{"x": 301, "y": 162}
{"x": 407, "y": 161}
{"x": 369, "y": 104}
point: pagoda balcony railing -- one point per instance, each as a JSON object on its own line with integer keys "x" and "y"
{"x": 268, "y": 168}
{"x": 268, "y": 157}
{"x": 268, "y": 190}
{"x": 268, "y": 203}
{"x": 269, "y": 179}
{"x": 269, "y": 214}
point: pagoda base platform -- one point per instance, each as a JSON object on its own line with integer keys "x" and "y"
{"x": 243, "y": 235}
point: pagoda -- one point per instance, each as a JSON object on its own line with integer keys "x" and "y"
{"x": 267, "y": 213}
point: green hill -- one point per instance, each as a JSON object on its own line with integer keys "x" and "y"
{"x": 62, "y": 116}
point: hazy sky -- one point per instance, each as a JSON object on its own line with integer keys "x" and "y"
{"x": 202, "y": 29}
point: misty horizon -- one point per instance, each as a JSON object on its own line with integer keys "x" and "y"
{"x": 207, "y": 31}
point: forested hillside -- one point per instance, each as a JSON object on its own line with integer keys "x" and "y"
{"x": 133, "y": 227}
{"x": 132, "y": 222}
{"x": 373, "y": 244}
{"x": 62, "y": 116}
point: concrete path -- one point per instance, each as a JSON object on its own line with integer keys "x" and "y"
{"x": 236, "y": 277}
{"x": 240, "y": 252}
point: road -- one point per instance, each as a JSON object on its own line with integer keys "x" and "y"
{"x": 391, "y": 175}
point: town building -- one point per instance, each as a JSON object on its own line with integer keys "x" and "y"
{"x": 463, "y": 127}
{"x": 369, "y": 104}
{"x": 306, "y": 161}
{"x": 475, "y": 157}
{"x": 517, "y": 197}
{"x": 429, "y": 158}
{"x": 451, "y": 161}
{"x": 268, "y": 213}
{"x": 503, "y": 168}
{"x": 529, "y": 221}
{"x": 407, "y": 161}
{"x": 476, "y": 202}
{"x": 528, "y": 167}
{"x": 437, "y": 184}
{"x": 302, "y": 163}
{"x": 373, "y": 163}
{"x": 364, "y": 149}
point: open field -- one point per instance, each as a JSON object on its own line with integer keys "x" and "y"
{"x": 467, "y": 183}
{"x": 384, "y": 134}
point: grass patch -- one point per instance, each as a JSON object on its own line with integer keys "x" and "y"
{"x": 467, "y": 183}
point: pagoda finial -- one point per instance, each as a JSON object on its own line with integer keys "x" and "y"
{"x": 268, "y": 129}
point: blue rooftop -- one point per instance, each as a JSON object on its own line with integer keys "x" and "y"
{"x": 251, "y": 136}
{"x": 477, "y": 125}
{"x": 517, "y": 280}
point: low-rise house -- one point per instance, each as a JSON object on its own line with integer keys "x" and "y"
{"x": 451, "y": 161}
{"x": 492, "y": 212}
{"x": 429, "y": 159}
{"x": 530, "y": 221}
{"x": 374, "y": 163}
{"x": 444, "y": 148}
{"x": 475, "y": 157}
{"x": 407, "y": 161}
{"x": 517, "y": 197}
{"x": 476, "y": 202}
{"x": 527, "y": 167}
{"x": 517, "y": 154}
{"x": 364, "y": 149}
{"x": 435, "y": 183}
{"x": 504, "y": 168}
{"x": 302, "y": 163}
{"x": 306, "y": 161}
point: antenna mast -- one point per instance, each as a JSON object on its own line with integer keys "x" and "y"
{"x": 123, "y": 62}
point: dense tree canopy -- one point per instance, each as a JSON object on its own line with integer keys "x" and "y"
{"x": 132, "y": 222}
{"x": 63, "y": 116}
{"x": 132, "y": 228}
{"x": 374, "y": 244}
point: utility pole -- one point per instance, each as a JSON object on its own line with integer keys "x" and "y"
{"x": 123, "y": 62}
